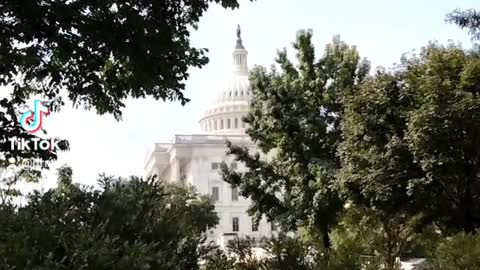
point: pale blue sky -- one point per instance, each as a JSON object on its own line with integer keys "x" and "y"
{"x": 381, "y": 30}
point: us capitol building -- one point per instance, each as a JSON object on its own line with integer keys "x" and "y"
{"x": 195, "y": 159}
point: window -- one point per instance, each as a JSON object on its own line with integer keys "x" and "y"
{"x": 215, "y": 194}
{"x": 228, "y": 123}
{"x": 221, "y": 124}
{"x": 234, "y": 166}
{"x": 234, "y": 194}
{"x": 215, "y": 165}
{"x": 236, "y": 123}
{"x": 215, "y": 128}
{"x": 235, "y": 224}
{"x": 254, "y": 226}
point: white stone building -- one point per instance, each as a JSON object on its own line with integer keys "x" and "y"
{"x": 195, "y": 159}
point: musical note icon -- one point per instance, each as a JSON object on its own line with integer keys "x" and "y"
{"x": 32, "y": 121}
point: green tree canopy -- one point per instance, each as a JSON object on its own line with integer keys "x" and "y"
{"x": 469, "y": 19}
{"x": 412, "y": 137}
{"x": 100, "y": 52}
{"x": 94, "y": 53}
{"x": 377, "y": 167}
{"x": 444, "y": 132}
{"x": 295, "y": 118}
{"x": 132, "y": 224}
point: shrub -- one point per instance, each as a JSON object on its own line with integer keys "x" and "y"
{"x": 460, "y": 252}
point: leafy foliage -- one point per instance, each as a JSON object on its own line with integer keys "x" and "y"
{"x": 401, "y": 146}
{"x": 10, "y": 112}
{"x": 376, "y": 163}
{"x": 278, "y": 253}
{"x": 291, "y": 253}
{"x": 101, "y": 52}
{"x": 410, "y": 150}
{"x": 131, "y": 224}
{"x": 95, "y": 53}
{"x": 243, "y": 255}
{"x": 352, "y": 241}
{"x": 469, "y": 19}
{"x": 411, "y": 137}
{"x": 216, "y": 259}
{"x": 461, "y": 252}
{"x": 378, "y": 173}
{"x": 295, "y": 118}
{"x": 423, "y": 244}
{"x": 443, "y": 132}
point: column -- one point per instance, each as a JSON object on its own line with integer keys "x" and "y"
{"x": 175, "y": 170}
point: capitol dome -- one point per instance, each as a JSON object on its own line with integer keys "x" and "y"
{"x": 224, "y": 116}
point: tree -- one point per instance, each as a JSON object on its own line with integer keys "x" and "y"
{"x": 12, "y": 175}
{"x": 131, "y": 224}
{"x": 101, "y": 52}
{"x": 411, "y": 140}
{"x": 443, "y": 132}
{"x": 95, "y": 53}
{"x": 378, "y": 173}
{"x": 294, "y": 119}
{"x": 469, "y": 19}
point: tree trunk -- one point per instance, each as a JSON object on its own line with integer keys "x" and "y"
{"x": 469, "y": 222}
{"x": 326, "y": 240}
{"x": 393, "y": 243}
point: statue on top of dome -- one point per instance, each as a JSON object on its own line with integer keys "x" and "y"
{"x": 239, "y": 39}
{"x": 239, "y": 32}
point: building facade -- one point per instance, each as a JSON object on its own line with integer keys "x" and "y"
{"x": 195, "y": 159}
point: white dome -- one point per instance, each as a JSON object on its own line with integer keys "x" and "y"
{"x": 224, "y": 116}
{"x": 236, "y": 88}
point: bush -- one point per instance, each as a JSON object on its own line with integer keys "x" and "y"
{"x": 460, "y": 252}
{"x": 127, "y": 225}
